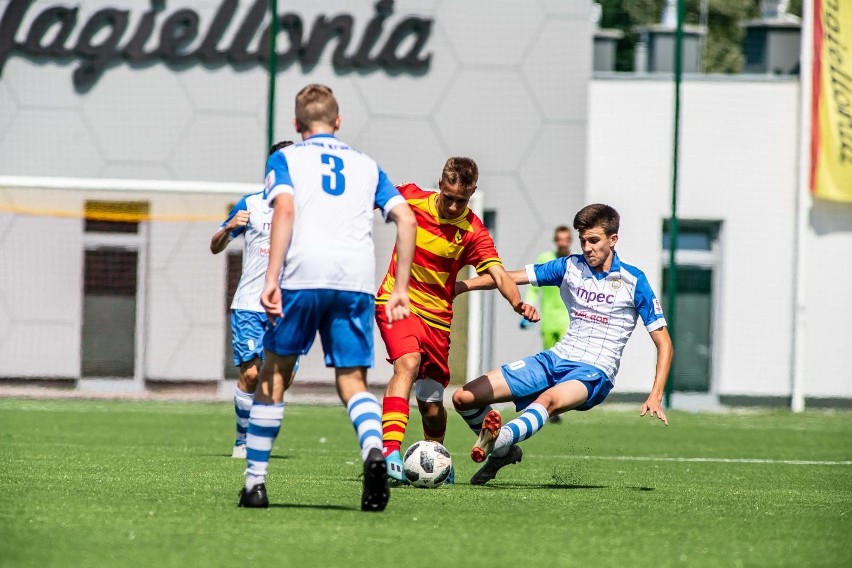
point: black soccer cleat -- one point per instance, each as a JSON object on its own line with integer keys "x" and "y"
{"x": 494, "y": 464}
{"x": 255, "y": 498}
{"x": 376, "y": 489}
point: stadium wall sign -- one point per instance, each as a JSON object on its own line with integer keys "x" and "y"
{"x": 99, "y": 43}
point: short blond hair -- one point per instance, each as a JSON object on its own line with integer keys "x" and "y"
{"x": 462, "y": 171}
{"x": 316, "y": 104}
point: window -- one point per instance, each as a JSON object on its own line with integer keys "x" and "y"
{"x": 697, "y": 265}
{"x": 111, "y": 291}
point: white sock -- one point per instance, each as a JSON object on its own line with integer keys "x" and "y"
{"x": 519, "y": 429}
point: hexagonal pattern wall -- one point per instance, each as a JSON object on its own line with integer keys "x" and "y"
{"x": 506, "y": 85}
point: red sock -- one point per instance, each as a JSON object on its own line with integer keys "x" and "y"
{"x": 395, "y": 412}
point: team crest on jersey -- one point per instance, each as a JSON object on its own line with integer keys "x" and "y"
{"x": 658, "y": 309}
{"x": 616, "y": 284}
{"x": 458, "y": 237}
{"x": 270, "y": 180}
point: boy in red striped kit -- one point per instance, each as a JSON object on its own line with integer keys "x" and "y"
{"x": 449, "y": 237}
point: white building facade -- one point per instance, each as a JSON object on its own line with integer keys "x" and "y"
{"x": 163, "y": 106}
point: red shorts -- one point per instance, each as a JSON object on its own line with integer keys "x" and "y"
{"x": 412, "y": 335}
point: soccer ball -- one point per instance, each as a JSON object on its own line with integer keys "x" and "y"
{"x": 427, "y": 464}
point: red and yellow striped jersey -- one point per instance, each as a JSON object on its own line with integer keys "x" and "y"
{"x": 444, "y": 247}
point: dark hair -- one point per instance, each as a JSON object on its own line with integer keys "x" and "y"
{"x": 561, "y": 229}
{"x": 597, "y": 215}
{"x": 279, "y": 145}
{"x": 462, "y": 171}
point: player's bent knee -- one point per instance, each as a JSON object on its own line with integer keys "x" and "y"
{"x": 462, "y": 399}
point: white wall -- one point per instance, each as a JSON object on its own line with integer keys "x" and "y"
{"x": 738, "y": 165}
{"x": 507, "y": 86}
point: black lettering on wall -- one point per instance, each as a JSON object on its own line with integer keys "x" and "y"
{"x": 99, "y": 42}
{"x": 98, "y": 56}
{"x": 65, "y": 18}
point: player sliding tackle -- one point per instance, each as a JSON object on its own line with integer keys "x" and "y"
{"x": 604, "y": 297}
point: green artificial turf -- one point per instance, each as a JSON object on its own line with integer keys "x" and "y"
{"x": 96, "y": 483}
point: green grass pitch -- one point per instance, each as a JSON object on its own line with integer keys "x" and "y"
{"x": 102, "y": 483}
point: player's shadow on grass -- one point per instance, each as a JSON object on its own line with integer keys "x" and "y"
{"x": 307, "y": 506}
{"x": 243, "y": 459}
{"x": 545, "y": 486}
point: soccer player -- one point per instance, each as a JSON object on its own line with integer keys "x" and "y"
{"x": 605, "y": 297}
{"x": 251, "y": 216}
{"x": 554, "y": 315}
{"x": 449, "y": 237}
{"x": 320, "y": 278}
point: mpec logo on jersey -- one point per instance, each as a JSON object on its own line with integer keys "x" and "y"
{"x": 594, "y": 297}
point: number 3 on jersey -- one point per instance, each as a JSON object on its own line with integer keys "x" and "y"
{"x": 333, "y": 182}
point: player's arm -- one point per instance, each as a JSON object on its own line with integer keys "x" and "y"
{"x": 281, "y": 231}
{"x": 397, "y": 306}
{"x": 495, "y": 276}
{"x": 531, "y": 297}
{"x": 665, "y": 352}
{"x": 237, "y": 219}
{"x": 509, "y": 289}
{"x": 486, "y": 281}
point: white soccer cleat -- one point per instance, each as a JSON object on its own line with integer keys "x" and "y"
{"x": 239, "y": 452}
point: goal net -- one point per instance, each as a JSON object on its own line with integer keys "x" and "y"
{"x": 111, "y": 285}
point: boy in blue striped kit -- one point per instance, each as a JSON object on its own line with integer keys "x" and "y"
{"x": 250, "y": 217}
{"x": 604, "y": 297}
{"x": 320, "y": 278}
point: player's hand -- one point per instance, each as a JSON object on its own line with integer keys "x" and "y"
{"x": 528, "y": 311}
{"x": 459, "y": 289}
{"x": 397, "y": 306}
{"x": 655, "y": 407}
{"x": 270, "y": 299}
{"x": 239, "y": 220}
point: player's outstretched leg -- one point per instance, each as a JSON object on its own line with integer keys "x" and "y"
{"x": 487, "y": 436}
{"x": 505, "y": 450}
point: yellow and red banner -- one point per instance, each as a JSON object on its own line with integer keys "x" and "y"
{"x": 831, "y": 101}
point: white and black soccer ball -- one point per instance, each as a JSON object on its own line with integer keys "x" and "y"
{"x": 427, "y": 464}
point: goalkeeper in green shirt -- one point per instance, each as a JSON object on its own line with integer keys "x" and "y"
{"x": 554, "y": 315}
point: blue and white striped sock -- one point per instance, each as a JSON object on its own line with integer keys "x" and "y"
{"x": 365, "y": 412}
{"x": 242, "y": 408}
{"x": 521, "y": 428}
{"x": 474, "y": 417}
{"x": 263, "y": 426}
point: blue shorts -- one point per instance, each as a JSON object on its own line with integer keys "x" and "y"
{"x": 247, "y": 329}
{"x": 343, "y": 319}
{"x": 533, "y": 375}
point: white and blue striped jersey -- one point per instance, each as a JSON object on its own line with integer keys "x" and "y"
{"x": 335, "y": 189}
{"x": 604, "y": 307}
{"x": 255, "y": 250}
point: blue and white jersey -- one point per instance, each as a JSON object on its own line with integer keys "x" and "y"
{"x": 255, "y": 251}
{"x": 604, "y": 307}
{"x": 335, "y": 189}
